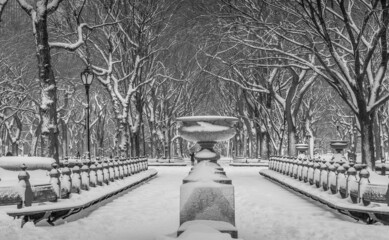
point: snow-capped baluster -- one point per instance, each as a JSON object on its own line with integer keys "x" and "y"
{"x": 317, "y": 173}
{"x": 137, "y": 165}
{"x": 85, "y": 176}
{"x": 127, "y": 165}
{"x": 271, "y": 160}
{"x": 143, "y": 164}
{"x": 111, "y": 171}
{"x": 274, "y": 164}
{"x": 287, "y": 163}
{"x": 352, "y": 183}
{"x": 66, "y": 182}
{"x": 120, "y": 166}
{"x": 92, "y": 175}
{"x": 76, "y": 178}
{"x": 324, "y": 175}
{"x": 299, "y": 175}
{"x": 124, "y": 166}
{"x": 364, "y": 175}
{"x": 304, "y": 170}
{"x": 54, "y": 179}
{"x": 105, "y": 169}
{"x": 24, "y": 188}
{"x": 144, "y": 160}
{"x": 311, "y": 170}
{"x": 295, "y": 167}
{"x": 132, "y": 166}
{"x": 332, "y": 177}
{"x": 99, "y": 173}
{"x": 341, "y": 180}
{"x": 116, "y": 168}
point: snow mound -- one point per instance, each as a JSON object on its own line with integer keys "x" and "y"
{"x": 206, "y": 154}
{"x": 13, "y": 163}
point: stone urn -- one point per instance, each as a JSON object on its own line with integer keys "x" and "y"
{"x": 338, "y": 146}
{"x": 207, "y": 131}
{"x": 302, "y": 148}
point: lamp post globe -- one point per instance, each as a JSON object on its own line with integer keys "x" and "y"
{"x": 87, "y": 77}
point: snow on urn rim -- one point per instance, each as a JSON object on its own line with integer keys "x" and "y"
{"x": 206, "y": 118}
{"x": 207, "y": 128}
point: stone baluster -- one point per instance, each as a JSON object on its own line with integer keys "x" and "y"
{"x": 304, "y": 169}
{"x": 363, "y": 182}
{"x": 324, "y": 175}
{"x": 24, "y": 188}
{"x": 124, "y": 167}
{"x": 128, "y": 166}
{"x": 317, "y": 173}
{"x": 106, "y": 175}
{"x": 134, "y": 165}
{"x": 76, "y": 179}
{"x": 147, "y": 164}
{"x": 93, "y": 175}
{"x": 295, "y": 167}
{"x": 283, "y": 164}
{"x": 311, "y": 170}
{"x": 352, "y": 180}
{"x": 276, "y": 165}
{"x": 54, "y": 179}
{"x": 116, "y": 168}
{"x": 99, "y": 172}
{"x": 137, "y": 168}
{"x": 121, "y": 169}
{"x": 341, "y": 181}
{"x": 66, "y": 182}
{"x": 144, "y": 167}
{"x": 293, "y": 162}
{"x": 85, "y": 176}
{"x": 287, "y": 163}
{"x": 111, "y": 171}
{"x": 333, "y": 177}
{"x": 299, "y": 174}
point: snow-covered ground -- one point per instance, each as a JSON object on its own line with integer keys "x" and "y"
{"x": 264, "y": 210}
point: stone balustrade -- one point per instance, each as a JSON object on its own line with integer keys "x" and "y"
{"x": 349, "y": 180}
{"x": 81, "y": 177}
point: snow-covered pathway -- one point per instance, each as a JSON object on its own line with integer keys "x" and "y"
{"x": 264, "y": 210}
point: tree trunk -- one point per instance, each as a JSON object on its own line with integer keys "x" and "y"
{"x": 265, "y": 151}
{"x": 48, "y": 107}
{"x": 291, "y": 141}
{"x": 367, "y": 139}
{"x": 15, "y": 148}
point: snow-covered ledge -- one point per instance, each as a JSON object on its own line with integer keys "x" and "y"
{"x": 350, "y": 188}
{"x": 79, "y": 205}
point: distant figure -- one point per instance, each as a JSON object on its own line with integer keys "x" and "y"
{"x": 8, "y": 154}
{"x": 192, "y": 158}
{"x": 78, "y": 155}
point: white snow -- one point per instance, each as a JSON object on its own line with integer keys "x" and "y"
{"x": 206, "y": 118}
{"x": 264, "y": 210}
{"x": 205, "y": 153}
{"x": 205, "y": 127}
{"x": 10, "y": 178}
{"x": 32, "y": 163}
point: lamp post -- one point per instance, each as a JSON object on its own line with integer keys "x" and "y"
{"x": 87, "y": 77}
